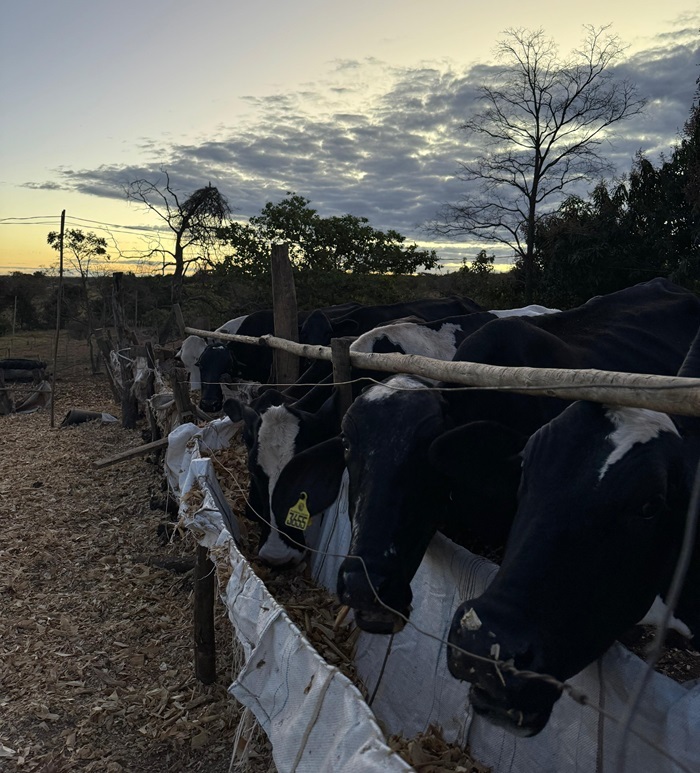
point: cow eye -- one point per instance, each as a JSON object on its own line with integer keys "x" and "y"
{"x": 655, "y": 507}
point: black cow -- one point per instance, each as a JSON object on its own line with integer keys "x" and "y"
{"x": 600, "y": 522}
{"x": 234, "y": 361}
{"x": 420, "y": 458}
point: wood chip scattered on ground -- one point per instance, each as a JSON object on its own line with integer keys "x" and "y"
{"x": 96, "y": 653}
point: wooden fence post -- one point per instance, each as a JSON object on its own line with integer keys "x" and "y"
{"x": 342, "y": 372}
{"x": 284, "y": 303}
{"x": 129, "y": 404}
{"x": 204, "y": 635}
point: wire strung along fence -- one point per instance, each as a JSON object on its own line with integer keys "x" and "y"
{"x": 330, "y": 554}
{"x": 667, "y": 394}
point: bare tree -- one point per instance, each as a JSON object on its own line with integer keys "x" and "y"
{"x": 540, "y": 132}
{"x": 193, "y": 222}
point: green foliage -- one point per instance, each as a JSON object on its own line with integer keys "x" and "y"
{"x": 80, "y": 249}
{"x": 479, "y": 280}
{"x": 645, "y": 227}
{"x": 337, "y": 244}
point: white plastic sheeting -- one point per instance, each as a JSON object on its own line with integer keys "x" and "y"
{"x": 315, "y": 717}
{"x": 317, "y": 720}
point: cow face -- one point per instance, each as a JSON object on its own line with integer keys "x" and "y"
{"x": 216, "y": 365}
{"x": 395, "y": 497}
{"x": 590, "y": 548}
{"x": 275, "y": 432}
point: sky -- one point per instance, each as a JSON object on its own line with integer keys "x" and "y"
{"x": 355, "y": 106}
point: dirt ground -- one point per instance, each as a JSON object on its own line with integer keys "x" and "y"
{"x": 96, "y": 644}
{"x": 96, "y": 639}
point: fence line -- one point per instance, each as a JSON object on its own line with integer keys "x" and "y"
{"x": 668, "y": 394}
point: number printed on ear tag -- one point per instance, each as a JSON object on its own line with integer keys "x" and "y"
{"x": 298, "y": 516}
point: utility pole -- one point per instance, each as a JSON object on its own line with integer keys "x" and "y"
{"x": 58, "y": 316}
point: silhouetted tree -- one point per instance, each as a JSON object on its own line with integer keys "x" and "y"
{"x": 81, "y": 251}
{"x": 344, "y": 243}
{"x": 644, "y": 227}
{"x": 193, "y": 222}
{"x": 540, "y": 132}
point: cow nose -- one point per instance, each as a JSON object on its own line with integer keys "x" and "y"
{"x": 210, "y": 406}
{"x": 358, "y": 586}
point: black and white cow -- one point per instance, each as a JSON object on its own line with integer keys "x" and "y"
{"x": 439, "y": 338}
{"x": 276, "y": 428}
{"x": 600, "y": 521}
{"x": 236, "y": 360}
{"x": 418, "y": 458}
{"x": 192, "y": 347}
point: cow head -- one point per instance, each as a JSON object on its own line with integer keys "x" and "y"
{"x": 395, "y": 498}
{"x": 275, "y": 431}
{"x": 216, "y": 365}
{"x": 591, "y": 546}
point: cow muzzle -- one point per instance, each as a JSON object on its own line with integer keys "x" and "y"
{"x": 380, "y": 606}
{"x": 486, "y": 658}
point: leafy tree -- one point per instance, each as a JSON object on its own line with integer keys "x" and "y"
{"x": 81, "y": 252}
{"x": 540, "y": 132}
{"x": 345, "y": 243}
{"x": 193, "y": 222}
{"x": 647, "y": 226}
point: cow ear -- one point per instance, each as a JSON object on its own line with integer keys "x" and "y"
{"x": 268, "y": 398}
{"x": 479, "y": 445}
{"x": 238, "y": 411}
{"x": 314, "y": 476}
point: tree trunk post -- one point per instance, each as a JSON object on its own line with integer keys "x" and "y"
{"x": 204, "y": 634}
{"x": 129, "y": 405}
{"x": 284, "y": 302}
{"x": 342, "y": 372}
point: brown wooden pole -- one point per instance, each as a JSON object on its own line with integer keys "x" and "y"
{"x": 342, "y": 372}
{"x": 58, "y": 315}
{"x": 129, "y": 405}
{"x": 204, "y": 634}
{"x": 284, "y": 304}
{"x": 181, "y": 394}
{"x": 179, "y": 319}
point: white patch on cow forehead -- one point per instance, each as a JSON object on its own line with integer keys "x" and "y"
{"x": 632, "y": 426}
{"x": 276, "y": 441}
{"x": 391, "y": 386}
{"x": 655, "y": 617}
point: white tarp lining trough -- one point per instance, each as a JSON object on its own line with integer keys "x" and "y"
{"x": 317, "y": 720}
{"x": 416, "y": 690}
{"x": 314, "y": 716}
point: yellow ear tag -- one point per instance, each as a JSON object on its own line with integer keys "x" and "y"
{"x": 298, "y": 515}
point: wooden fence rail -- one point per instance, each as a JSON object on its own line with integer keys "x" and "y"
{"x": 669, "y": 394}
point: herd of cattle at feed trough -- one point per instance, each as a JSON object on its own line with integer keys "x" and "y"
{"x": 588, "y": 501}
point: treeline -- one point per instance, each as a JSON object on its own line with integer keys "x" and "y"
{"x": 28, "y": 301}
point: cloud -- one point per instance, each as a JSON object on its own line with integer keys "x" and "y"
{"x": 380, "y": 142}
